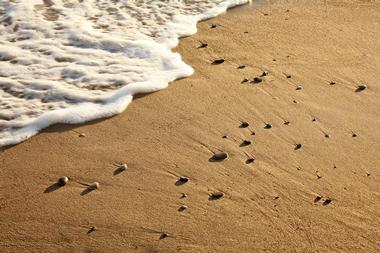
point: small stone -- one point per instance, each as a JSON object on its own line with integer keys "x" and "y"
{"x": 122, "y": 167}
{"x": 354, "y": 135}
{"x": 297, "y": 146}
{"x": 218, "y": 157}
{"x": 288, "y": 76}
{"x": 224, "y": 136}
{"x": 93, "y": 186}
{"x": 327, "y": 136}
{"x": 244, "y": 124}
{"x": 213, "y": 26}
{"x": 257, "y": 80}
{"x": 182, "y": 208}
{"x": 246, "y": 143}
{"x": 250, "y": 160}
{"x": 267, "y": 126}
{"x": 241, "y": 66}
{"x": 287, "y": 123}
{"x": 63, "y": 181}
{"x": 299, "y": 87}
{"x": 218, "y": 61}
{"x": 318, "y": 198}
{"x": 327, "y": 201}
{"x": 332, "y": 83}
{"x": 361, "y": 87}
{"x": 202, "y": 45}
{"x": 183, "y": 179}
{"x": 265, "y": 73}
{"x": 82, "y": 135}
{"x": 164, "y": 235}
{"x": 183, "y": 195}
{"x": 244, "y": 80}
{"x": 217, "y": 195}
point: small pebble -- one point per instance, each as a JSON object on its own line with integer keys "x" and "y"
{"x": 217, "y": 195}
{"x": 361, "y": 87}
{"x": 183, "y": 179}
{"x": 354, "y": 135}
{"x": 250, "y": 160}
{"x": 287, "y": 123}
{"x": 122, "y": 167}
{"x": 267, "y": 126}
{"x": 318, "y": 198}
{"x": 244, "y": 124}
{"x": 82, "y": 135}
{"x": 327, "y": 136}
{"x": 246, "y": 143}
{"x": 213, "y": 26}
{"x": 63, "y": 181}
{"x": 327, "y": 201}
{"x": 299, "y": 87}
{"x": 224, "y": 136}
{"x": 332, "y": 83}
{"x": 163, "y": 235}
{"x": 265, "y": 73}
{"x": 288, "y": 76}
{"x": 202, "y": 45}
{"x": 241, "y": 66}
{"x": 244, "y": 80}
{"x": 183, "y": 195}
{"x": 257, "y": 80}
{"x": 218, "y": 61}
{"x": 93, "y": 186}
{"x": 297, "y": 146}
{"x": 218, "y": 157}
{"x": 182, "y": 208}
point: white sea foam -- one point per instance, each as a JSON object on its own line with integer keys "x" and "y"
{"x": 71, "y": 61}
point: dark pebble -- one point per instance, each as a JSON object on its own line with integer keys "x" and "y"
{"x": 267, "y": 126}
{"x": 245, "y": 143}
{"x": 257, "y": 80}
{"x": 217, "y": 195}
{"x": 250, "y": 160}
{"x": 218, "y": 157}
{"x": 244, "y": 124}
{"x": 327, "y": 201}
{"x": 297, "y": 146}
{"x": 361, "y": 87}
{"x": 241, "y": 66}
{"x": 183, "y": 179}
{"x": 218, "y": 61}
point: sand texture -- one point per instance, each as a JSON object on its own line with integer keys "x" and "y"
{"x": 303, "y": 166}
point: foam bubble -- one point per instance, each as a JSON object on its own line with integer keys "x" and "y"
{"x": 70, "y": 61}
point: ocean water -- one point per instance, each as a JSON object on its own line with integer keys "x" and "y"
{"x": 71, "y": 61}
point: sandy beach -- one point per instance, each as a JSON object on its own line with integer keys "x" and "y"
{"x": 294, "y": 105}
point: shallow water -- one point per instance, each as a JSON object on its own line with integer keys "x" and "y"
{"x": 71, "y": 61}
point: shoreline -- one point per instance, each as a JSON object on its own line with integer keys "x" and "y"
{"x": 322, "y": 196}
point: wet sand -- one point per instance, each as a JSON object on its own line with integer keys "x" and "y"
{"x": 300, "y": 171}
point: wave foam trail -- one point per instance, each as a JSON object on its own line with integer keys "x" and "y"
{"x": 71, "y": 61}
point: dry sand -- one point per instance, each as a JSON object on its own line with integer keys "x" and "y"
{"x": 271, "y": 204}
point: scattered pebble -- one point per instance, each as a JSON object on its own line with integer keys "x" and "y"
{"x": 82, "y": 135}
{"x": 314, "y": 120}
{"x": 327, "y": 201}
{"x": 361, "y": 87}
{"x": 244, "y": 80}
{"x": 218, "y": 157}
{"x": 202, "y": 45}
{"x": 92, "y": 229}
{"x": 246, "y": 143}
{"x": 93, "y": 186}
{"x": 182, "y": 208}
{"x": 318, "y": 198}
{"x": 257, "y": 80}
{"x": 122, "y": 167}
{"x": 244, "y": 124}
{"x": 299, "y": 87}
{"x": 217, "y": 195}
{"x": 267, "y": 126}
{"x": 62, "y": 181}
{"x": 287, "y": 123}
{"x": 354, "y": 135}
{"x": 224, "y": 136}
{"x": 183, "y": 195}
{"x": 265, "y": 73}
{"x": 288, "y": 76}
{"x": 332, "y": 83}
{"x": 297, "y": 146}
{"x": 218, "y": 61}
{"x": 183, "y": 179}
{"x": 327, "y": 136}
{"x": 213, "y": 26}
{"x": 163, "y": 236}
{"x": 241, "y": 66}
{"x": 295, "y": 102}
{"x": 250, "y": 160}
